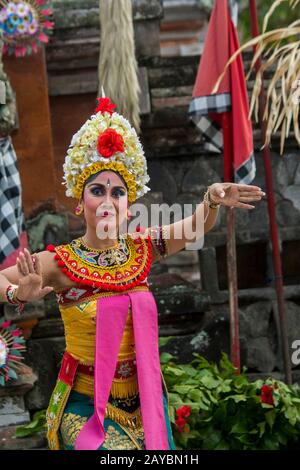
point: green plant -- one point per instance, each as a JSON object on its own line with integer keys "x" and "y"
{"x": 37, "y": 424}
{"x": 227, "y": 411}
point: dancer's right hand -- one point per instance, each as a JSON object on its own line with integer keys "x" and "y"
{"x": 30, "y": 278}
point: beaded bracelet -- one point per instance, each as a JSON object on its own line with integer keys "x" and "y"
{"x": 13, "y": 300}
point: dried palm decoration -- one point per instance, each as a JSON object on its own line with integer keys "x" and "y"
{"x": 117, "y": 63}
{"x": 283, "y": 93}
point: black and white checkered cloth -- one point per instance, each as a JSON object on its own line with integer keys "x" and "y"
{"x": 12, "y": 220}
{"x": 199, "y": 109}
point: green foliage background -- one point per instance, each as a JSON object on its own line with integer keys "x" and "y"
{"x": 227, "y": 412}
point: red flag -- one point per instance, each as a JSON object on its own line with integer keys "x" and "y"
{"x": 206, "y": 108}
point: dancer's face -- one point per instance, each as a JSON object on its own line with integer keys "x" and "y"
{"x": 106, "y": 192}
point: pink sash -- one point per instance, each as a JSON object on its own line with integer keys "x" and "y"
{"x": 110, "y": 322}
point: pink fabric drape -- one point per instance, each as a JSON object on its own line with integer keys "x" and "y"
{"x": 110, "y": 322}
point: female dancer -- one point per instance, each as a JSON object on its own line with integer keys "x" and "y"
{"x": 110, "y": 392}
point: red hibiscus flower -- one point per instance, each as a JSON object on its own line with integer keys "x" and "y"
{"x": 181, "y": 424}
{"x": 110, "y": 142}
{"x": 105, "y": 105}
{"x": 184, "y": 411}
{"x": 181, "y": 421}
{"x": 266, "y": 395}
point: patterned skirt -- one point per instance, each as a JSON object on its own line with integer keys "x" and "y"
{"x": 80, "y": 407}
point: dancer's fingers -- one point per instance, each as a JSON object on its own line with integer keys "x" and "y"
{"x": 29, "y": 261}
{"x": 19, "y": 266}
{"x": 241, "y": 205}
{"x": 24, "y": 266}
{"x": 252, "y": 193}
{"x": 249, "y": 199}
{"x": 37, "y": 265}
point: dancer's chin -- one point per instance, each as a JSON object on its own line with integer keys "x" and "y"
{"x": 103, "y": 228}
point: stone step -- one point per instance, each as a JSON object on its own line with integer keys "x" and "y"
{"x": 8, "y": 440}
{"x": 12, "y": 411}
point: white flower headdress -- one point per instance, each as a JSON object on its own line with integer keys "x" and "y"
{"x": 106, "y": 141}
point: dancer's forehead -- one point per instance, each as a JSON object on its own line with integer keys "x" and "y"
{"x": 107, "y": 178}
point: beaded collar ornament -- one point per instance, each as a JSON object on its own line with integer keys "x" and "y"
{"x": 106, "y": 142}
{"x": 112, "y": 269}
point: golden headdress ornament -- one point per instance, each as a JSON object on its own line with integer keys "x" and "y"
{"x": 106, "y": 141}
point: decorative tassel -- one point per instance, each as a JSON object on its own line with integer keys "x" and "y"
{"x": 123, "y": 417}
{"x": 124, "y": 389}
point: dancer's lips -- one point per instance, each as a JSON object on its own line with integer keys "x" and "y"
{"x": 105, "y": 213}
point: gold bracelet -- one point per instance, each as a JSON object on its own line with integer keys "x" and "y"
{"x": 208, "y": 200}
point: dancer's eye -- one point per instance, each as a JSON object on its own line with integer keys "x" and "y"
{"x": 96, "y": 191}
{"x": 118, "y": 192}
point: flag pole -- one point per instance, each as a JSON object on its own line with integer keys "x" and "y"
{"x": 272, "y": 212}
{"x": 231, "y": 247}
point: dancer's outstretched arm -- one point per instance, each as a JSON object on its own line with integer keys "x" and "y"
{"x": 190, "y": 229}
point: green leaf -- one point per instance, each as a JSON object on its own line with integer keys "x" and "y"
{"x": 271, "y": 443}
{"x": 174, "y": 370}
{"x": 37, "y": 424}
{"x": 210, "y": 382}
{"x": 165, "y": 358}
{"x": 282, "y": 438}
{"x": 163, "y": 340}
{"x": 270, "y": 418}
{"x": 239, "y": 428}
{"x": 175, "y": 399}
{"x": 183, "y": 389}
{"x": 236, "y": 398}
{"x": 25, "y": 431}
{"x": 262, "y": 427}
{"x": 211, "y": 397}
{"x": 227, "y": 366}
{"x": 223, "y": 445}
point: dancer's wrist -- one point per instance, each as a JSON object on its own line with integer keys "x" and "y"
{"x": 13, "y": 299}
{"x": 208, "y": 198}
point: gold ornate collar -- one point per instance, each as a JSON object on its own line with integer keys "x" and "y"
{"x": 118, "y": 268}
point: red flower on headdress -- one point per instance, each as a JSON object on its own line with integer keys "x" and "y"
{"x": 104, "y": 104}
{"x": 110, "y": 142}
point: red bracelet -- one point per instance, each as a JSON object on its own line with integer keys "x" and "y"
{"x": 10, "y": 291}
{"x": 10, "y": 295}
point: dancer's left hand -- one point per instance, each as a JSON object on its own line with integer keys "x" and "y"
{"x": 235, "y": 195}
